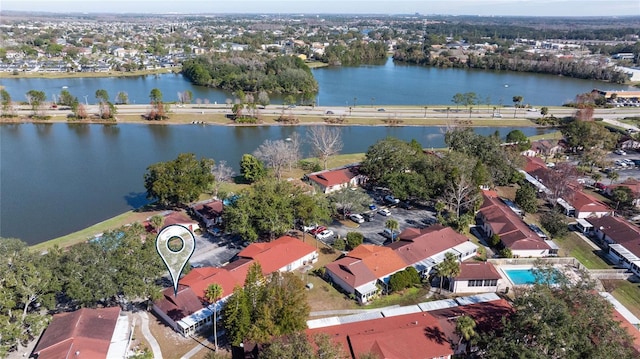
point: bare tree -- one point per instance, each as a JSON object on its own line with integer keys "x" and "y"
{"x": 558, "y": 180}
{"x": 461, "y": 193}
{"x": 325, "y": 142}
{"x": 222, "y": 173}
{"x": 276, "y": 154}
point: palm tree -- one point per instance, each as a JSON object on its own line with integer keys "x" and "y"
{"x": 393, "y": 226}
{"x": 448, "y": 268}
{"x": 466, "y": 329}
{"x": 517, "y": 100}
{"x": 212, "y": 294}
{"x": 613, "y": 175}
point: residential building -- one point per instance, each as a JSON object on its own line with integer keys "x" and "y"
{"x": 366, "y": 270}
{"x": 476, "y": 277}
{"x": 579, "y": 204}
{"x": 622, "y": 240}
{"x": 85, "y": 333}
{"x": 189, "y": 312}
{"x": 336, "y": 179}
{"x": 209, "y": 212}
{"x": 631, "y": 183}
{"x": 380, "y": 332}
{"x": 495, "y": 217}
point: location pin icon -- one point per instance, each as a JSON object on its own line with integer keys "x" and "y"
{"x": 175, "y": 244}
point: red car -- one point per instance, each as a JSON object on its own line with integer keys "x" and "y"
{"x": 600, "y": 186}
{"x": 317, "y": 230}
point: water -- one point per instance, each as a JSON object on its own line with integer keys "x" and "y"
{"x": 522, "y": 276}
{"x": 59, "y": 178}
{"x": 387, "y": 84}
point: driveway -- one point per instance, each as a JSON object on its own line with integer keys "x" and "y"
{"x": 215, "y": 250}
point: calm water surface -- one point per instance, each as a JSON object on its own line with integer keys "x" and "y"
{"x": 387, "y": 84}
{"x": 59, "y": 178}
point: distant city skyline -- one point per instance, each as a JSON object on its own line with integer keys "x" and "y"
{"x": 425, "y": 7}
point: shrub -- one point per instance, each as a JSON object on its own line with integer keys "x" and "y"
{"x": 354, "y": 239}
{"x": 553, "y": 222}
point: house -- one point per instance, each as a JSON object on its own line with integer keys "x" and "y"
{"x": 401, "y": 336}
{"x": 363, "y": 269}
{"x": 580, "y": 204}
{"x": 85, "y": 333}
{"x": 209, "y": 212}
{"x": 367, "y": 269}
{"x": 621, "y": 238}
{"x": 633, "y": 184}
{"x": 476, "y": 277}
{"x": 424, "y": 248}
{"x": 174, "y": 217}
{"x": 495, "y": 217}
{"x": 425, "y": 330}
{"x": 189, "y": 312}
{"x": 544, "y": 148}
{"x": 336, "y": 179}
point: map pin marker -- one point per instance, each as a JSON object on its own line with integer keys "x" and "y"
{"x": 175, "y": 244}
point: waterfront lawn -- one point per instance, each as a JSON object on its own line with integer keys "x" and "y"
{"x": 548, "y": 136}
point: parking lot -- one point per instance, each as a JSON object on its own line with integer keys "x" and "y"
{"x": 625, "y": 171}
{"x": 419, "y": 217}
{"x": 215, "y": 250}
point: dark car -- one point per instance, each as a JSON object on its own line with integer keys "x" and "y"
{"x": 369, "y": 216}
{"x": 406, "y": 205}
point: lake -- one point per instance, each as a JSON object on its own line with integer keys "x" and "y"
{"x": 58, "y": 178}
{"x": 387, "y": 84}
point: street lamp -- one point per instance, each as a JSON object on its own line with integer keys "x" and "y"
{"x": 86, "y": 102}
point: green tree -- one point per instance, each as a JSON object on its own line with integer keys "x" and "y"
{"x": 157, "y": 222}
{"x": 347, "y": 200}
{"x": 393, "y": 226}
{"x": 560, "y": 321}
{"x": 386, "y": 157}
{"x": 180, "y": 181}
{"x": 527, "y": 198}
{"x": 544, "y": 111}
{"x": 613, "y": 176}
{"x": 448, "y": 268}
{"x": 520, "y": 139}
{"x": 458, "y": 99}
{"x": 354, "y": 239}
{"x": 155, "y": 96}
{"x": 212, "y": 295}
{"x": 102, "y": 95}
{"x": 66, "y": 98}
{"x": 466, "y": 329}
{"x": 122, "y": 98}
{"x": 5, "y": 102}
{"x": 251, "y": 168}
{"x": 554, "y": 223}
{"x": 36, "y": 99}
{"x": 236, "y": 317}
{"x": 623, "y": 197}
{"x": 494, "y": 240}
{"x": 517, "y": 102}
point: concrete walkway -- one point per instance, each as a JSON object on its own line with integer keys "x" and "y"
{"x": 588, "y": 241}
{"x": 348, "y": 311}
{"x": 144, "y": 326}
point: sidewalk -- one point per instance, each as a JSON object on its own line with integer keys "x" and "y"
{"x": 144, "y": 326}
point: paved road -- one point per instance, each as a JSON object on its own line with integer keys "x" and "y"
{"x": 144, "y": 326}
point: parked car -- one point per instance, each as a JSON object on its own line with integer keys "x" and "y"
{"x": 329, "y": 112}
{"x": 600, "y": 186}
{"x": 620, "y": 152}
{"x": 369, "y": 216}
{"x": 356, "y": 218}
{"x": 390, "y": 234}
{"x": 406, "y": 205}
{"x": 373, "y": 207}
{"x": 391, "y": 199}
{"x": 309, "y": 228}
{"x": 381, "y": 110}
{"x": 327, "y": 233}
{"x": 317, "y": 230}
{"x": 385, "y": 212}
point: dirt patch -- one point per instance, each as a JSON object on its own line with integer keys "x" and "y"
{"x": 172, "y": 344}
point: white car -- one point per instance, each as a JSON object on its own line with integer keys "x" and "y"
{"x": 327, "y": 233}
{"x": 356, "y": 218}
{"x": 620, "y": 152}
{"x": 391, "y": 199}
{"x": 385, "y": 212}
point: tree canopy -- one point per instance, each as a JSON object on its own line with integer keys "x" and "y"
{"x": 178, "y": 182}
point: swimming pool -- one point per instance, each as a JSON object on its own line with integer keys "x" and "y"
{"x": 520, "y": 276}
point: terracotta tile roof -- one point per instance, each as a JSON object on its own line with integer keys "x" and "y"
{"x": 632, "y": 183}
{"x": 533, "y": 163}
{"x": 513, "y": 232}
{"x": 630, "y": 328}
{"x": 620, "y": 231}
{"x": 416, "y": 245}
{"x": 180, "y": 306}
{"x": 178, "y": 218}
{"x": 477, "y": 270}
{"x": 277, "y": 254}
{"x": 85, "y": 333}
{"x": 411, "y": 336}
{"x": 332, "y": 178}
{"x": 199, "y": 280}
{"x": 381, "y": 261}
{"x": 487, "y": 315}
{"x": 352, "y": 271}
{"x": 211, "y": 209}
{"x": 584, "y": 202}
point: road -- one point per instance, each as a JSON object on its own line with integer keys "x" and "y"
{"x": 391, "y": 112}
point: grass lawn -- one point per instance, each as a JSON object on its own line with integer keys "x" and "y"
{"x": 408, "y": 296}
{"x": 548, "y": 136}
{"x": 85, "y": 234}
{"x": 573, "y": 246}
{"x": 626, "y": 292}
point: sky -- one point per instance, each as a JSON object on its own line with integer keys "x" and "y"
{"x": 426, "y": 7}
